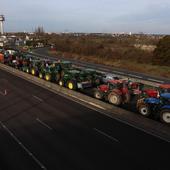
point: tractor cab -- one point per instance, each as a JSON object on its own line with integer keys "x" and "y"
{"x": 164, "y": 88}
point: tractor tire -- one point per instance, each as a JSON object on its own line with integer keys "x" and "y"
{"x": 115, "y": 99}
{"x": 33, "y": 72}
{"x": 144, "y": 110}
{"x": 61, "y": 83}
{"x": 165, "y": 116}
{"x": 27, "y": 70}
{"x": 98, "y": 94}
{"x": 47, "y": 77}
{"x": 40, "y": 75}
{"x": 72, "y": 85}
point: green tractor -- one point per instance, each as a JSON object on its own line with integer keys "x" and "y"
{"x": 74, "y": 79}
{"x": 34, "y": 67}
{"x": 51, "y": 72}
{"x": 54, "y": 70}
{"x": 93, "y": 75}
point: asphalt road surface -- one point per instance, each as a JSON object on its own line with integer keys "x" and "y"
{"x": 42, "y": 130}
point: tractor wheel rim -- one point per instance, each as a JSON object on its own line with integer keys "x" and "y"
{"x": 33, "y": 72}
{"x": 98, "y": 95}
{"x": 114, "y": 99}
{"x": 144, "y": 111}
{"x": 70, "y": 85}
{"x": 60, "y": 83}
{"x": 166, "y": 117}
{"x": 47, "y": 77}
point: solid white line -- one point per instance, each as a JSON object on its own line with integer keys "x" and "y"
{"x": 106, "y": 135}
{"x": 118, "y": 72}
{"x": 23, "y": 146}
{"x": 91, "y": 103}
{"x": 159, "y": 81}
{"x": 38, "y": 98}
{"x": 96, "y": 105}
{"x": 44, "y": 124}
{"x": 134, "y": 76}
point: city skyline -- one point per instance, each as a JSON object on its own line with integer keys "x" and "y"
{"x": 87, "y": 16}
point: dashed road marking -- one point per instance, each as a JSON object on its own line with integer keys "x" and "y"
{"x": 44, "y": 124}
{"x": 106, "y": 135}
{"x": 41, "y": 100}
{"x": 23, "y": 147}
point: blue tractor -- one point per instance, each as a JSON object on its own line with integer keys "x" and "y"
{"x": 159, "y": 107}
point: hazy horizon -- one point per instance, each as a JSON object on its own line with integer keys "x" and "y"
{"x": 107, "y": 16}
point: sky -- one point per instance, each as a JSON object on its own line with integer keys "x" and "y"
{"x": 110, "y": 16}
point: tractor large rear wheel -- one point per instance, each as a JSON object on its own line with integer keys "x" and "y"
{"x": 144, "y": 110}
{"x": 98, "y": 94}
{"x": 165, "y": 116}
{"x": 115, "y": 98}
{"x": 72, "y": 85}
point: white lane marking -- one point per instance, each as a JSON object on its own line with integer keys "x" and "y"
{"x": 38, "y": 98}
{"x": 96, "y": 105}
{"x": 106, "y": 135}
{"x": 91, "y": 103}
{"x": 23, "y": 146}
{"x": 159, "y": 81}
{"x": 118, "y": 72}
{"x": 134, "y": 75}
{"x": 44, "y": 124}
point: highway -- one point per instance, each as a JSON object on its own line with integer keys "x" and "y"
{"x": 43, "y": 52}
{"x": 43, "y": 130}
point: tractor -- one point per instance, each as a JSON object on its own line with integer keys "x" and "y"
{"x": 34, "y": 66}
{"x": 158, "y": 107}
{"x": 93, "y": 75}
{"x": 162, "y": 88}
{"x": 115, "y": 91}
{"x": 54, "y": 70}
{"x": 74, "y": 79}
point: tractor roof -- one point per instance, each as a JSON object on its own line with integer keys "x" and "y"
{"x": 74, "y": 71}
{"x": 165, "y": 95}
{"x": 165, "y": 86}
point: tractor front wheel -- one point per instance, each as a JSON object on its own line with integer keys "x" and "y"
{"x": 115, "y": 99}
{"x": 98, "y": 94}
{"x": 40, "y": 75}
{"x": 72, "y": 85}
{"x": 144, "y": 110}
{"x": 165, "y": 116}
{"x": 47, "y": 77}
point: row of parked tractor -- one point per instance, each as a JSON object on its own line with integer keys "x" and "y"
{"x": 107, "y": 87}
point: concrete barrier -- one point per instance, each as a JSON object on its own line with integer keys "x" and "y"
{"x": 132, "y": 119}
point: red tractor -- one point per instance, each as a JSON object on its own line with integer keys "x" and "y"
{"x": 115, "y": 91}
{"x": 163, "y": 88}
